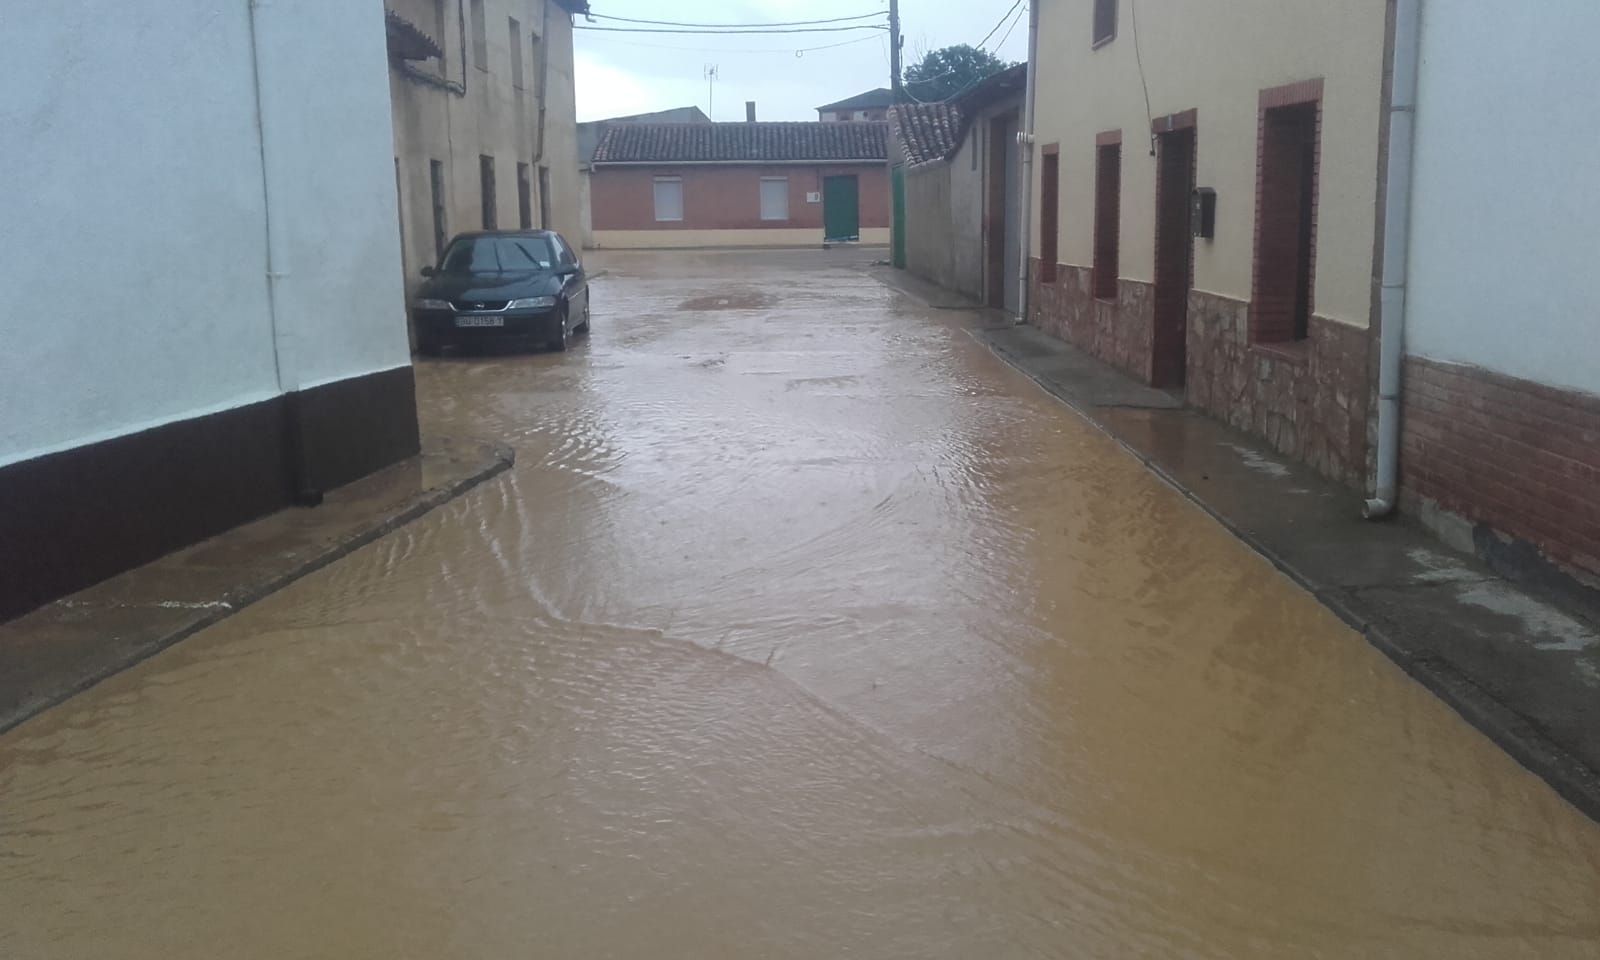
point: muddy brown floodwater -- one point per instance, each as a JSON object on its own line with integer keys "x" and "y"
{"x": 803, "y": 628}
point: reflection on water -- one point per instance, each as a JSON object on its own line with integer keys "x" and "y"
{"x": 802, "y": 628}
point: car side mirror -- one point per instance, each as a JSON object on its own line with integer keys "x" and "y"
{"x": 567, "y": 269}
{"x": 428, "y": 271}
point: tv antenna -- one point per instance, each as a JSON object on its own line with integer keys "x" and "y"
{"x": 711, "y": 78}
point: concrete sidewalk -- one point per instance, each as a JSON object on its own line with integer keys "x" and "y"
{"x": 64, "y": 647}
{"x": 1521, "y": 669}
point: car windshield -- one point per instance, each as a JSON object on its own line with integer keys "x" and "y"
{"x": 499, "y": 255}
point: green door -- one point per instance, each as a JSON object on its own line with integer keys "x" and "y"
{"x": 841, "y": 209}
{"x": 898, "y": 241}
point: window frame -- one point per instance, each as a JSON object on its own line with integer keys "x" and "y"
{"x": 655, "y": 197}
{"x": 524, "y": 196}
{"x": 762, "y": 199}
{"x": 1049, "y": 212}
{"x": 514, "y": 33}
{"x": 1107, "y": 215}
{"x": 1103, "y": 29}
{"x": 436, "y": 190}
{"x": 487, "y": 194}
{"x": 479, "y": 25}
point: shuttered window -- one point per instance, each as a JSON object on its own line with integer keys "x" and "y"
{"x": 669, "y": 198}
{"x": 1105, "y": 21}
{"x": 774, "y": 198}
{"x": 1107, "y": 218}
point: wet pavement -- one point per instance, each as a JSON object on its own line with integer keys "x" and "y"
{"x": 802, "y": 627}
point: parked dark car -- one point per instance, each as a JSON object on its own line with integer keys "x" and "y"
{"x": 502, "y": 286}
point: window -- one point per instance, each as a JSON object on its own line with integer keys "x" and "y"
{"x": 515, "y": 31}
{"x": 565, "y": 252}
{"x": 500, "y": 254}
{"x": 1107, "y": 214}
{"x": 669, "y": 199}
{"x": 544, "y": 198}
{"x": 486, "y": 185}
{"x": 480, "y": 36}
{"x": 774, "y": 198}
{"x": 524, "y": 198}
{"x": 1105, "y": 21}
{"x": 1286, "y": 225}
{"x": 436, "y": 180}
{"x": 861, "y": 114}
{"x": 1049, "y": 212}
{"x": 439, "y": 35}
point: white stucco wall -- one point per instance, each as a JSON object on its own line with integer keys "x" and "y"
{"x": 133, "y": 243}
{"x": 1502, "y": 268}
{"x": 341, "y": 302}
{"x": 132, "y": 246}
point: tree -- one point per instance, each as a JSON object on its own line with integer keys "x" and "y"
{"x": 946, "y": 72}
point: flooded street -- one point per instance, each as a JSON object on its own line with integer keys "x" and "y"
{"x": 803, "y": 627}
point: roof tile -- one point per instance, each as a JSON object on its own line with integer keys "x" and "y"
{"x": 927, "y": 131}
{"x": 742, "y": 142}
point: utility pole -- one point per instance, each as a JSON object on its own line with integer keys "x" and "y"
{"x": 894, "y": 48}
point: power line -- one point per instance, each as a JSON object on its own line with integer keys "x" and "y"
{"x": 1007, "y": 35}
{"x": 790, "y": 23}
{"x": 724, "y": 33}
{"x": 760, "y": 50}
{"x": 1003, "y": 18}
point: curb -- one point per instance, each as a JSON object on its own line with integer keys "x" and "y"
{"x": 500, "y": 459}
{"x": 1510, "y": 731}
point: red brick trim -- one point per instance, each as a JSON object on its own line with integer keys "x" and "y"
{"x": 1271, "y": 318}
{"x": 1108, "y": 138}
{"x": 1292, "y": 94}
{"x": 1107, "y": 216}
{"x": 1049, "y": 211}
{"x": 1184, "y": 120}
{"x": 1513, "y": 454}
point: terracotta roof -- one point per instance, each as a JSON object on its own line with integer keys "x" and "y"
{"x": 407, "y": 41}
{"x": 927, "y": 131}
{"x": 742, "y": 142}
{"x": 872, "y": 99}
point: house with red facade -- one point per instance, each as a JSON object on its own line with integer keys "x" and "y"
{"x": 740, "y": 184}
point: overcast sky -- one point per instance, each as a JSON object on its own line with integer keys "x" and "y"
{"x": 626, "y": 73}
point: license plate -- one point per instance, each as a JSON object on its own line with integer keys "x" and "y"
{"x": 480, "y": 321}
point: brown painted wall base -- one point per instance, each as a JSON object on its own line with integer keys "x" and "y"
{"x": 1309, "y": 400}
{"x": 73, "y": 518}
{"x": 1515, "y": 456}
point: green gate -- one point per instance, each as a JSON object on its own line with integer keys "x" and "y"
{"x": 898, "y": 241}
{"x": 841, "y": 209}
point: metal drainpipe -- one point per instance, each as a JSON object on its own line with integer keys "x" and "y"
{"x": 1396, "y": 242}
{"x": 277, "y": 263}
{"x": 541, "y": 95}
{"x": 1025, "y": 149}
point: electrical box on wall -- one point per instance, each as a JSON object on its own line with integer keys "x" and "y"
{"x": 1203, "y": 213}
{"x": 813, "y": 197}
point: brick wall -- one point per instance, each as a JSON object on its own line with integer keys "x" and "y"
{"x": 1310, "y": 404}
{"x": 1518, "y": 456}
{"x": 729, "y": 198}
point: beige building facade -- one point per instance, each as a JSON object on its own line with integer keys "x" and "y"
{"x": 1205, "y": 197}
{"x": 485, "y": 123}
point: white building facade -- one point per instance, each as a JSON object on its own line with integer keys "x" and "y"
{"x": 1501, "y": 394}
{"x": 205, "y": 317}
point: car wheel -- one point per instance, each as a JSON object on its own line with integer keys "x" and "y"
{"x": 429, "y": 348}
{"x": 560, "y": 343}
